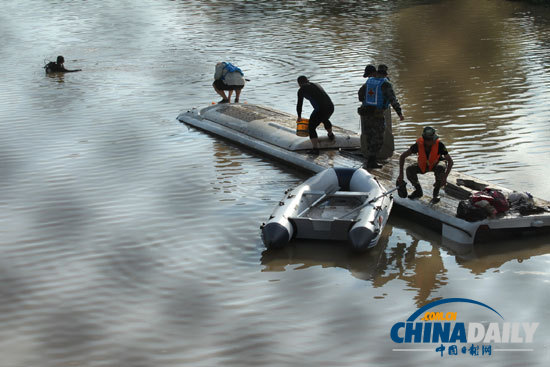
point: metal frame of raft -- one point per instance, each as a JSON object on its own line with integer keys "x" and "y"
{"x": 272, "y": 133}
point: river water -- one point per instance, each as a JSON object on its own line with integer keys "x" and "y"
{"x": 130, "y": 239}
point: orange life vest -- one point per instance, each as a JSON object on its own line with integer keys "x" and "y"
{"x": 425, "y": 163}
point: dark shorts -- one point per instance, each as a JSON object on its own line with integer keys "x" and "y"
{"x": 317, "y": 117}
{"x": 219, "y": 84}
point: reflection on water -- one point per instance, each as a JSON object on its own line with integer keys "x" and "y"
{"x": 419, "y": 265}
{"x": 412, "y": 257}
{"x": 416, "y": 262}
{"x": 490, "y": 257}
{"x": 129, "y": 239}
{"x": 311, "y": 253}
{"x": 227, "y": 166}
{"x": 475, "y": 89}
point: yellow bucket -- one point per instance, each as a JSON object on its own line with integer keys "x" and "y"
{"x": 302, "y": 127}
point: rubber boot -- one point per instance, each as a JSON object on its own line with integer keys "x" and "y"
{"x": 417, "y": 193}
{"x": 435, "y": 196}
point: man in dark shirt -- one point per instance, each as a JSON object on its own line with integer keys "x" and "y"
{"x": 376, "y": 95}
{"x": 430, "y": 152}
{"x": 57, "y": 67}
{"x": 323, "y": 108}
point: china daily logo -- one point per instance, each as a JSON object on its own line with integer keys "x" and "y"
{"x": 453, "y": 337}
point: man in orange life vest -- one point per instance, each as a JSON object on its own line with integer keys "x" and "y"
{"x": 430, "y": 152}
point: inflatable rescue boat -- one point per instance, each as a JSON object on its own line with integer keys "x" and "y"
{"x": 335, "y": 204}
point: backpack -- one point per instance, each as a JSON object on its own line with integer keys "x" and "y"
{"x": 495, "y": 197}
{"x": 482, "y": 204}
{"x": 53, "y": 67}
{"x": 232, "y": 68}
{"x": 49, "y": 66}
{"x": 469, "y": 211}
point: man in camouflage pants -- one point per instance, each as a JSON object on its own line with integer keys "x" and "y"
{"x": 376, "y": 94}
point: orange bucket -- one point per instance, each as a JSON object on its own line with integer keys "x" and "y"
{"x": 302, "y": 127}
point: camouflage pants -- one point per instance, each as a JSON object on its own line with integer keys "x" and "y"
{"x": 388, "y": 147}
{"x": 413, "y": 171}
{"x": 372, "y": 134}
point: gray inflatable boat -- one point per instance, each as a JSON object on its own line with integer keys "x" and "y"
{"x": 335, "y": 204}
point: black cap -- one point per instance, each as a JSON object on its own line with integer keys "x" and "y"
{"x": 382, "y": 69}
{"x": 369, "y": 70}
{"x": 429, "y": 133}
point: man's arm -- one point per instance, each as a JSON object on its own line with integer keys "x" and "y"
{"x": 402, "y": 158}
{"x": 299, "y": 104}
{"x": 387, "y": 91}
{"x": 361, "y": 93}
{"x": 449, "y": 161}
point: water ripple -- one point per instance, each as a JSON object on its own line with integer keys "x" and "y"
{"x": 130, "y": 239}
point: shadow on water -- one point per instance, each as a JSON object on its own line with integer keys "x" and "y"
{"x": 266, "y": 8}
{"x": 11, "y": 288}
{"x": 68, "y": 333}
{"x": 464, "y": 92}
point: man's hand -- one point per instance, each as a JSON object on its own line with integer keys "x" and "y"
{"x": 401, "y": 187}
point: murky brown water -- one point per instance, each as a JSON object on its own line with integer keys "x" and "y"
{"x": 129, "y": 239}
